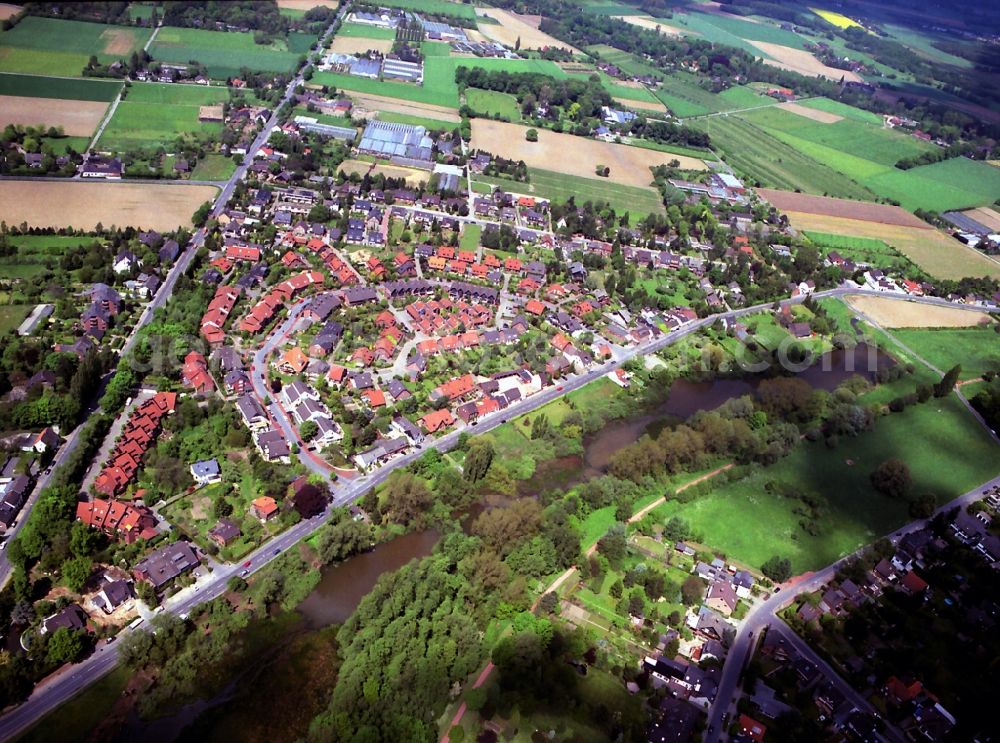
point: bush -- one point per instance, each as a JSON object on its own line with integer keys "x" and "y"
{"x": 531, "y": 135}
{"x": 778, "y": 569}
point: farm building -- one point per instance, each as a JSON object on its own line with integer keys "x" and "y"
{"x": 403, "y": 140}
{"x": 309, "y": 124}
{"x": 398, "y": 69}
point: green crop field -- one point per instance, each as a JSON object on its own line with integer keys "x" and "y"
{"x": 362, "y": 31}
{"x": 758, "y": 155}
{"x": 976, "y": 349}
{"x": 492, "y": 103}
{"x": 865, "y": 250}
{"x": 36, "y": 86}
{"x": 681, "y": 93}
{"x": 50, "y": 46}
{"x": 953, "y": 184}
{"x": 610, "y": 7}
{"x": 625, "y": 91}
{"x": 433, "y": 124}
{"x": 224, "y": 53}
{"x": 734, "y": 31}
{"x": 176, "y": 95}
{"x": 154, "y": 115}
{"x": 842, "y": 109}
{"x": 37, "y": 247}
{"x": 433, "y": 6}
{"x": 439, "y": 95}
{"x": 947, "y": 451}
{"x": 675, "y": 149}
{"x": 923, "y": 45}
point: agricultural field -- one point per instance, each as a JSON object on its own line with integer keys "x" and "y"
{"x": 155, "y": 114}
{"x": 361, "y": 31}
{"x": 629, "y": 165}
{"x": 75, "y": 118}
{"x": 895, "y": 313}
{"x": 385, "y": 104}
{"x": 224, "y": 53}
{"x": 512, "y": 27}
{"x": 763, "y": 158}
{"x": 446, "y": 7}
{"x": 651, "y": 24}
{"x": 493, "y": 103}
{"x": 150, "y": 206}
{"x": 637, "y": 202}
{"x": 842, "y": 109}
{"x": 402, "y": 118}
{"x": 36, "y": 86}
{"x": 952, "y": 184}
{"x": 681, "y": 93}
{"x": 49, "y": 46}
{"x": 413, "y": 176}
{"x": 833, "y": 207}
{"x": 977, "y": 349}
{"x": 344, "y": 44}
{"x": 947, "y": 451}
{"x": 935, "y": 252}
{"x": 836, "y": 19}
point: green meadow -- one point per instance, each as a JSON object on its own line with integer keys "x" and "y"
{"x": 948, "y": 454}
{"x": 224, "y": 53}
{"x": 155, "y": 114}
{"x": 36, "y": 86}
{"x": 51, "y": 46}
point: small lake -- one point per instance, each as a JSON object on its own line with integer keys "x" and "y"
{"x": 342, "y": 586}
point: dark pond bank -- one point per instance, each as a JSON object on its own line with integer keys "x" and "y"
{"x": 686, "y": 398}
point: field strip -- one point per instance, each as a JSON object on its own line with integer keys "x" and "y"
{"x": 865, "y": 211}
{"x": 513, "y": 27}
{"x": 77, "y": 118}
{"x": 82, "y": 204}
{"x": 651, "y": 24}
{"x": 400, "y": 106}
{"x": 892, "y": 313}
{"x": 823, "y": 117}
{"x": 802, "y": 62}
{"x": 642, "y": 105}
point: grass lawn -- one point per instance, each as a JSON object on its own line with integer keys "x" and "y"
{"x": 213, "y": 167}
{"x": 595, "y": 525}
{"x": 12, "y": 315}
{"x": 36, "y": 86}
{"x": 360, "y": 30}
{"x": 492, "y": 103}
{"x": 51, "y": 46}
{"x": 470, "y": 237}
{"x": 638, "y": 202}
{"x": 439, "y": 96}
{"x": 154, "y": 115}
{"x": 224, "y": 53}
{"x": 42, "y": 244}
{"x": 946, "y": 450}
{"x": 976, "y": 349}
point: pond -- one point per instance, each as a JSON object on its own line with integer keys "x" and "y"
{"x": 342, "y": 586}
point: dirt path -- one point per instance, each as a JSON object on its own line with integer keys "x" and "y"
{"x": 707, "y": 476}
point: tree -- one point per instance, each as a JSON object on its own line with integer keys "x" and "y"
{"x": 76, "y": 571}
{"x": 923, "y": 506}
{"x": 531, "y": 135}
{"x": 308, "y": 430}
{"x": 222, "y": 508}
{"x": 134, "y": 649}
{"x": 65, "y": 646}
{"x": 549, "y": 603}
{"x": 892, "y": 478}
{"x": 478, "y": 460}
{"x": 778, "y": 569}
{"x": 614, "y": 545}
{"x": 947, "y": 382}
{"x": 692, "y": 589}
{"x": 407, "y": 498}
